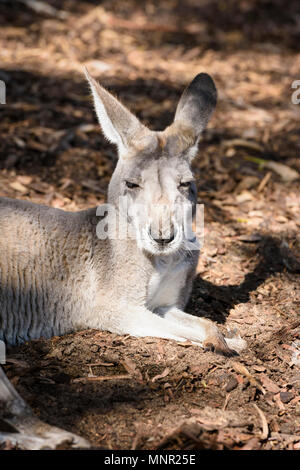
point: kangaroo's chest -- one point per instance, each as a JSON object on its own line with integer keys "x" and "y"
{"x": 166, "y": 282}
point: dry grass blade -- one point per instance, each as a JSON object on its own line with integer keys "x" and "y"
{"x": 265, "y": 427}
{"x": 226, "y": 401}
{"x": 103, "y": 364}
{"x": 243, "y": 143}
{"x": 137, "y": 437}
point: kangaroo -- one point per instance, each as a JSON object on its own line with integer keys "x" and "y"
{"x": 59, "y": 274}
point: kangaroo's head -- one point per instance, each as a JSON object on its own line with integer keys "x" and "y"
{"x": 154, "y": 167}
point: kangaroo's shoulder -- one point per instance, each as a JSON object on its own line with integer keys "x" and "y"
{"x": 25, "y": 213}
{"x": 9, "y": 204}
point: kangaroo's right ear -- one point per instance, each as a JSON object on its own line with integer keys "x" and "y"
{"x": 118, "y": 124}
{"x": 197, "y": 104}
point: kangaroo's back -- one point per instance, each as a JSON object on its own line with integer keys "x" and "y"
{"x": 42, "y": 250}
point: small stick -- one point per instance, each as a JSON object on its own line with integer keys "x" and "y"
{"x": 105, "y": 364}
{"x": 137, "y": 437}
{"x": 264, "y": 181}
{"x": 101, "y": 378}
{"x": 226, "y": 401}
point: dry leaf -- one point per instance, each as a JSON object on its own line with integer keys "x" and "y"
{"x": 24, "y": 179}
{"x": 161, "y": 376}
{"x": 286, "y": 173}
{"x": 241, "y": 369}
{"x": 269, "y": 384}
{"x": 132, "y": 369}
{"x": 17, "y": 186}
{"x": 253, "y": 443}
{"x": 244, "y": 196}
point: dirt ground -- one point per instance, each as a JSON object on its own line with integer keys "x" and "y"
{"x": 121, "y": 392}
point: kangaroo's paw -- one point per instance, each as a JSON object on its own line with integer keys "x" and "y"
{"x": 29, "y": 433}
{"x": 217, "y": 343}
{"x": 227, "y": 346}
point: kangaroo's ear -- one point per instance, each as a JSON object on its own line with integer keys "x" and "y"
{"x": 118, "y": 124}
{"x": 196, "y": 105}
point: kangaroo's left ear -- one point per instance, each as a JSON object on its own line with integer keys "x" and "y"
{"x": 197, "y": 103}
{"x": 194, "y": 109}
{"x": 193, "y": 112}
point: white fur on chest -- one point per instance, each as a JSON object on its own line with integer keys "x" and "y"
{"x": 166, "y": 282}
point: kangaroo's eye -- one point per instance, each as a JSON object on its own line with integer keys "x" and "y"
{"x": 185, "y": 184}
{"x": 131, "y": 185}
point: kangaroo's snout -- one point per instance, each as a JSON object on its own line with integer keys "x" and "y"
{"x": 162, "y": 238}
{"x": 162, "y": 231}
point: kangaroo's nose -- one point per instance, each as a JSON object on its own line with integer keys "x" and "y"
{"x": 161, "y": 238}
{"x": 164, "y": 241}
